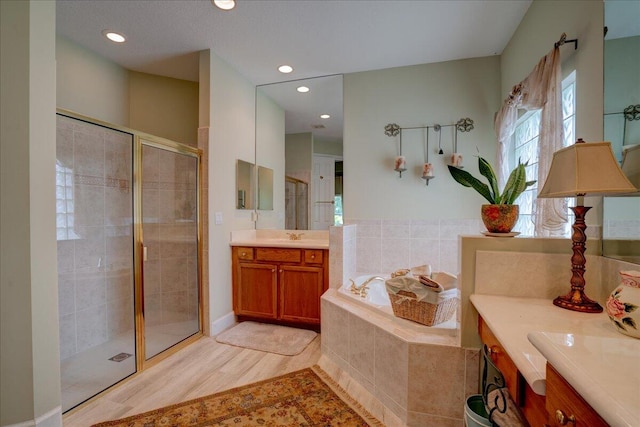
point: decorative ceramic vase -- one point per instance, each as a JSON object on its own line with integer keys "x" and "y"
{"x": 623, "y": 304}
{"x": 499, "y": 218}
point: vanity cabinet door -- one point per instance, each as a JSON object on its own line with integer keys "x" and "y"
{"x": 255, "y": 292}
{"x": 300, "y": 291}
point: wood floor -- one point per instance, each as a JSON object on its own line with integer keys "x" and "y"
{"x": 203, "y": 368}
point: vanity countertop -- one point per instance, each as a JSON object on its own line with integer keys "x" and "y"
{"x": 309, "y": 239}
{"x": 602, "y": 365}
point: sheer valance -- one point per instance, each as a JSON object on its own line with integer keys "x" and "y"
{"x": 541, "y": 90}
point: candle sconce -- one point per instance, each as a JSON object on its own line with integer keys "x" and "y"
{"x": 427, "y": 168}
{"x": 462, "y": 125}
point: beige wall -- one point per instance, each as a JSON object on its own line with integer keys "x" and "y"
{"x": 327, "y": 147}
{"x": 298, "y": 152}
{"x": 164, "y": 107}
{"x": 416, "y": 96}
{"x": 231, "y": 136}
{"x": 29, "y": 358}
{"x": 91, "y": 85}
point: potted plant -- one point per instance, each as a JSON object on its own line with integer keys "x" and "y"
{"x": 501, "y": 214}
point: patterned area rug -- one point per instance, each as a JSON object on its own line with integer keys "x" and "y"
{"x": 303, "y": 398}
{"x": 270, "y": 338}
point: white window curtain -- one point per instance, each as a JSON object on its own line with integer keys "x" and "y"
{"x": 542, "y": 89}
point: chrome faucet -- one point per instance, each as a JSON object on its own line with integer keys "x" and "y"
{"x": 295, "y": 236}
{"x": 364, "y": 287}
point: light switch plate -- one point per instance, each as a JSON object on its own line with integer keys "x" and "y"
{"x": 218, "y": 218}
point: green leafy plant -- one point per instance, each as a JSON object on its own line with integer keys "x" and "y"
{"x": 515, "y": 185}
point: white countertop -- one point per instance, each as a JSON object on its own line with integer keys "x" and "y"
{"x": 602, "y": 365}
{"x": 309, "y": 239}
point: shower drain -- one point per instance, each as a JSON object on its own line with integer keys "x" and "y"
{"x": 120, "y": 357}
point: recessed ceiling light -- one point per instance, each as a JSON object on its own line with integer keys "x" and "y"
{"x": 303, "y": 89}
{"x": 286, "y": 69}
{"x": 113, "y": 36}
{"x": 224, "y": 4}
{"x": 324, "y": 116}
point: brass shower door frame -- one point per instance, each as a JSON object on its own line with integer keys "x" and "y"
{"x": 140, "y": 139}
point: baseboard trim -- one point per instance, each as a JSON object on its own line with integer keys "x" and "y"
{"x": 222, "y": 323}
{"x": 53, "y": 418}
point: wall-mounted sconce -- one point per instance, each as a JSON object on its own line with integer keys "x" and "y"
{"x": 427, "y": 168}
{"x": 462, "y": 125}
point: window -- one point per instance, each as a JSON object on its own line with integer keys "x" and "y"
{"x": 525, "y": 148}
{"x": 64, "y": 203}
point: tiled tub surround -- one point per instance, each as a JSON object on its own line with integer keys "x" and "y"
{"x": 402, "y": 372}
{"x": 386, "y": 245}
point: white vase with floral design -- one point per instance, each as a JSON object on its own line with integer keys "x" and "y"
{"x": 623, "y": 305}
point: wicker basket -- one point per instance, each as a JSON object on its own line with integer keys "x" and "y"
{"x": 406, "y": 306}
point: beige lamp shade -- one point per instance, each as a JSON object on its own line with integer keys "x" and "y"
{"x": 585, "y": 169}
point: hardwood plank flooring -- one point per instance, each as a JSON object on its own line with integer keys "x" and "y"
{"x": 203, "y": 368}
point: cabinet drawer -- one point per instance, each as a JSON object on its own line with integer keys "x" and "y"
{"x": 244, "y": 253}
{"x": 565, "y": 404}
{"x": 502, "y": 361}
{"x": 278, "y": 255}
{"x": 313, "y": 256}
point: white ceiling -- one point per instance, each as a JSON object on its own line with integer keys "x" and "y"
{"x": 316, "y": 37}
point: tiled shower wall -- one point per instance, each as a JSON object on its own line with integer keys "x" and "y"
{"x": 95, "y": 234}
{"x": 383, "y": 245}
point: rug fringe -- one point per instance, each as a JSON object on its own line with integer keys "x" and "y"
{"x": 342, "y": 393}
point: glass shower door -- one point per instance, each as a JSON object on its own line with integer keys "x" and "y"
{"x": 171, "y": 303}
{"x": 95, "y": 238}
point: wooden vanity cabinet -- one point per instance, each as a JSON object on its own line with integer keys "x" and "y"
{"x": 282, "y": 285}
{"x": 531, "y": 404}
{"x": 565, "y": 406}
{"x": 560, "y": 406}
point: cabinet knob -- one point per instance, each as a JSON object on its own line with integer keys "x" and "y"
{"x": 281, "y": 271}
{"x": 563, "y": 420}
{"x": 243, "y": 254}
{"x": 313, "y": 256}
{"x": 273, "y": 270}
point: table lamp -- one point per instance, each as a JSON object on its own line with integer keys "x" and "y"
{"x": 578, "y": 170}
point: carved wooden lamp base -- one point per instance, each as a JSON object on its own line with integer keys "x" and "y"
{"x": 576, "y": 299}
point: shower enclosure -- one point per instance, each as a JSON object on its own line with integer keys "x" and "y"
{"x": 296, "y": 204}
{"x": 129, "y": 252}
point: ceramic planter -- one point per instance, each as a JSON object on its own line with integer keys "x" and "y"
{"x": 499, "y": 218}
{"x": 623, "y": 305}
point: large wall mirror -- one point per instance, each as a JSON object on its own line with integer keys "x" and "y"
{"x": 621, "y": 220}
{"x": 299, "y": 137}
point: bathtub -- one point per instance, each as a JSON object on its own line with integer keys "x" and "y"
{"x": 378, "y": 301}
{"x": 392, "y": 364}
